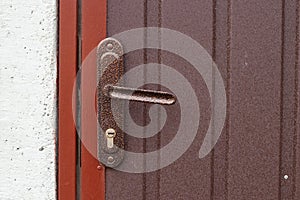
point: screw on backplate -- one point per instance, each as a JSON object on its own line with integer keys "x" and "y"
{"x": 109, "y": 46}
{"x": 110, "y": 159}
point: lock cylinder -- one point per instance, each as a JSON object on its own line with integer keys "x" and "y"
{"x": 110, "y": 135}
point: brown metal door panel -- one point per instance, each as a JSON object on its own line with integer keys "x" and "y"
{"x": 121, "y": 16}
{"x": 189, "y": 177}
{"x": 254, "y": 98}
{"x": 255, "y": 45}
{"x": 192, "y": 175}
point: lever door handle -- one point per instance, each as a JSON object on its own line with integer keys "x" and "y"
{"x": 140, "y": 95}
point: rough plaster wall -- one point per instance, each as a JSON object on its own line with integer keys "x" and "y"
{"x": 27, "y": 99}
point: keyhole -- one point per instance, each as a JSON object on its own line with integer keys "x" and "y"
{"x": 110, "y": 134}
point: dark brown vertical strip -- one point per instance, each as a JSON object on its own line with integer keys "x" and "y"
{"x": 297, "y": 139}
{"x": 213, "y": 55}
{"x": 228, "y": 83}
{"x": 159, "y": 145}
{"x": 255, "y": 100}
{"x": 67, "y": 73}
{"x": 281, "y": 94}
{"x": 288, "y": 100}
{"x": 151, "y": 56}
{"x": 144, "y": 108}
{"x": 221, "y": 56}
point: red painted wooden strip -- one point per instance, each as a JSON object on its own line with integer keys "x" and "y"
{"x": 93, "y": 31}
{"x": 67, "y": 73}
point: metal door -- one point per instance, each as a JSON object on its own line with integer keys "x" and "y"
{"x": 255, "y": 48}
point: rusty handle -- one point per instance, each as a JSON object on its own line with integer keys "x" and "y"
{"x": 140, "y": 95}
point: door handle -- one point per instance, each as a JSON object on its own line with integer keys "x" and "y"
{"x": 140, "y": 95}
{"x": 110, "y": 69}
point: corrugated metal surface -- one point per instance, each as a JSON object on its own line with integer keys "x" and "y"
{"x": 255, "y": 45}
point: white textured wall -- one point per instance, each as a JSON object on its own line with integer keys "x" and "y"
{"x": 27, "y": 99}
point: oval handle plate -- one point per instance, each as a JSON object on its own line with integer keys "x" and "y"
{"x": 110, "y": 69}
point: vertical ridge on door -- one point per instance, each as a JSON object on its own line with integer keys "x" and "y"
{"x": 221, "y": 56}
{"x": 297, "y": 159}
{"x": 288, "y": 139}
{"x": 152, "y": 179}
